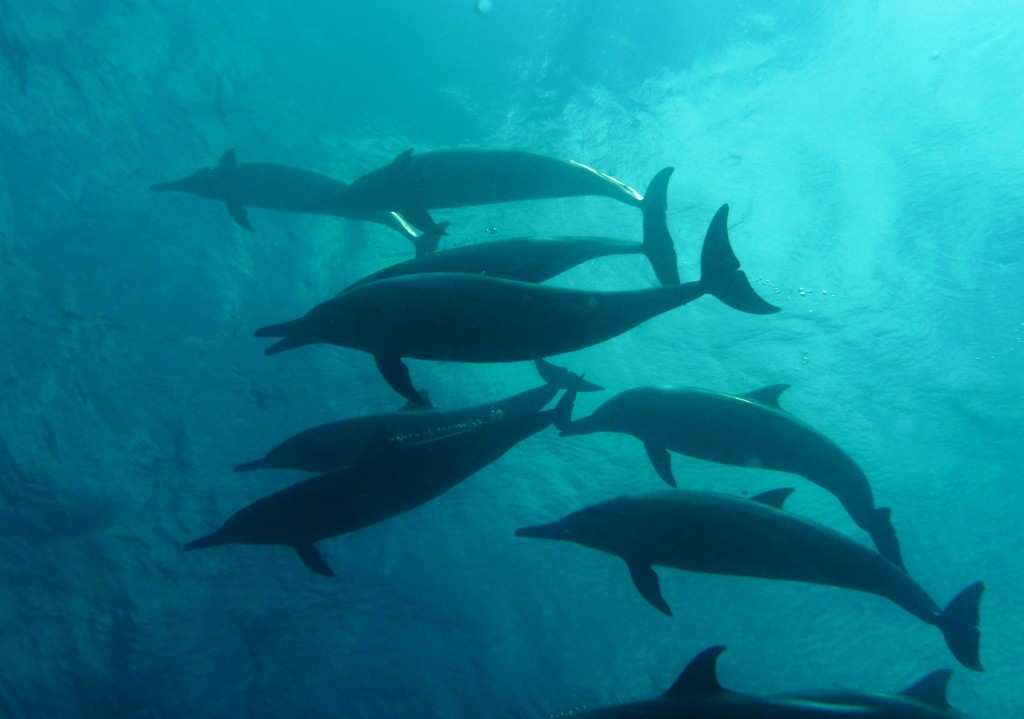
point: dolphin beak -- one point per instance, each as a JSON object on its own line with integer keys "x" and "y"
{"x": 555, "y": 530}
{"x": 168, "y": 186}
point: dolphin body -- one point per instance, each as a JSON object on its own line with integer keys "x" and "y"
{"x": 385, "y": 481}
{"x": 698, "y": 694}
{"x": 719, "y": 534}
{"x": 412, "y": 184}
{"x": 749, "y": 430}
{"x": 474, "y": 318}
{"x": 338, "y": 444}
{"x": 536, "y": 259}
{"x": 272, "y": 186}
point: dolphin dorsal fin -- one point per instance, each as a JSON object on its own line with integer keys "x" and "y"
{"x": 773, "y": 497}
{"x": 931, "y": 689}
{"x": 227, "y": 160}
{"x": 699, "y": 677}
{"x": 768, "y": 395}
{"x": 402, "y": 161}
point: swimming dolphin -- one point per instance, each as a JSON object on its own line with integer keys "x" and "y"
{"x": 719, "y": 534}
{"x": 474, "y": 318}
{"x": 924, "y": 699}
{"x": 749, "y": 430}
{"x": 282, "y": 187}
{"x": 334, "y": 445}
{"x": 385, "y": 481}
{"x": 698, "y": 694}
{"x": 536, "y": 259}
{"x": 412, "y": 184}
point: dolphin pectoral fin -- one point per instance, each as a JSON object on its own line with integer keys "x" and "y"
{"x": 562, "y": 414}
{"x": 720, "y": 273}
{"x": 312, "y": 558}
{"x": 773, "y": 497}
{"x": 427, "y": 243}
{"x": 239, "y": 215}
{"x": 419, "y": 218}
{"x": 958, "y": 623}
{"x": 227, "y": 160}
{"x": 883, "y": 534}
{"x": 661, "y": 461}
{"x": 647, "y": 583}
{"x": 700, "y": 678}
{"x": 768, "y": 395}
{"x": 396, "y": 374}
{"x": 657, "y": 245}
{"x": 411, "y": 406}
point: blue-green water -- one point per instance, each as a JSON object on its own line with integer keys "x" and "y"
{"x": 872, "y": 154}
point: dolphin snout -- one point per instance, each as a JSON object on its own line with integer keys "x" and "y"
{"x": 167, "y": 186}
{"x": 544, "y": 531}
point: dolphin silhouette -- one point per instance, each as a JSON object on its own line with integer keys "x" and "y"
{"x": 412, "y": 184}
{"x": 385, "y": 481}
{"x": 750, "y": 430}
{"x": 719, "y": 534}
{"x": 474, "y": 318}
{"x": 273, "y": 186}
{"x": 338, "y": 444}
{"x": 698, "y": 694}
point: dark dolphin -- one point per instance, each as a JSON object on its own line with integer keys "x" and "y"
{"x": 272, "y": 186}
{"x": 474, "y": 318}
{"x": 412, "y": 184}
{"x": 719, "y": 534}
{"x": 386, "y": 480}
{"x": 334, "y": 445}
{"x": 749, "y": 430}
{"x": 536, "y": 259}
{"x": 698, "y": 694}
{"x": 927, "y": 698}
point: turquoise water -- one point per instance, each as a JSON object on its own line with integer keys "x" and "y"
{"x": 872, "y": 154}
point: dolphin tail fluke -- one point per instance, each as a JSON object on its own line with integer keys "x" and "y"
{"x": 210, "y": 540}
{"x": 720, "y": 273}
{"x": 657, "y": 243}
{"x": 959, "y": 625}
{"x": 563, "y": 378}
{"x": 883, "y": 534}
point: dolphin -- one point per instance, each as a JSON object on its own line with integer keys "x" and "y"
{"x": 698, "y": 694}
{"x": 474, "y": 318}
{"x": 926, "y": 698}
{"x": 282, "y": 187}
{"x": 413, "y": 184}
{"x": 385, "y": 481}
{"x": 750, "y": 430}
{"x": 536, "y": 259}
{"x": 719, "y": 534}
{"x": 334, "y": 445}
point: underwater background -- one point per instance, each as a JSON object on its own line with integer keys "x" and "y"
{"x": 873, "y": 157}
